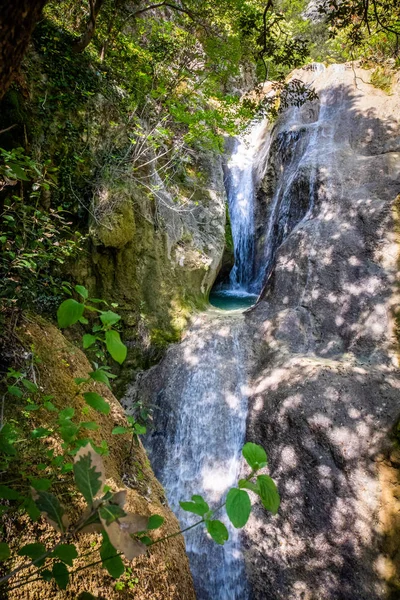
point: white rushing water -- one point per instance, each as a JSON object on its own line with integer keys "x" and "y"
{"x": 199, "y": 389}
{"x": 196, "y": 445}
{"x": 243, "y": 174}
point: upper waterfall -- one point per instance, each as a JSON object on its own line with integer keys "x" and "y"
{"x": 242, "y": 176}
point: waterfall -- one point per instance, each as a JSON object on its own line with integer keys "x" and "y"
{"x": 195, "y": 448}
{"x": 199, "y": 389}
{"x": 242, "y": 176}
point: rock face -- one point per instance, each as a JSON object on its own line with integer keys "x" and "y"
{"x": 326, "y": 388}
{"x": 162, "y": 574}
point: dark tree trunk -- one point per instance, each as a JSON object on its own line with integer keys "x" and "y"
{"x": 17, "y": 21}
{"x": 86, "y": 38}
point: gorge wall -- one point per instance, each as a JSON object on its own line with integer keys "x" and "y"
{"x": 317, "y": 365}
{"x": 325, "y": 390}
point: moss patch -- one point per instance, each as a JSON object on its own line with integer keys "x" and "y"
{"x": 164, "y": 573}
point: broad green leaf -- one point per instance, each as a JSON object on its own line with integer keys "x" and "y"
{"x": 67, "y": 553}
{"x": 4, "y": 551}
{"x": 7, "y": 493}
{"x": 238, "y": 507}
{"x": 115, "y": 347}
{"x": 111, "y": 560}
{"x": 8, "y": 437}
{"x": 31, "y": 509}
{"x": 17, "y": 172}
{"x": 155, "y": 521}
{"x": 88, "y": 340}
{"x": 31, "y": 407}
{"x": 139, "y": 429}
{"x": 268, "y": 493}
{"x": 255, "y": 456}
{"x": 68, "y": 431}
{"x": 30, "y": 386}
{"x": 109, "y": 318}
{"x": 49, "y": 505}
{"x": 40, "y": 432}
{"x": 69, "y": 312}
{"x": 89, "y": 473}
{"x": 79, "y": 380}
{"x": 50, "y": 406}
{"x": 91, "y": 425}
{"x": 101, "y": 376}
{"x": 218, "y": 531}
{"x": 97, "y": 402}
{"x": 34, "y": 552}
{"x": 82, "y": 291}
{"x": 46, "y": 575}
{"x": 121, "y": 430}
{"x": 61, "y": 575}
{"x": 248, "y": 485}
{"x": 84, "y": 321}
{"x": 41, "y": 485}
{"x": 14, "y": 391}
{"x": 111, "y": 512}
{"x": 198, "y": 506}
{"x": 66, "y": 413}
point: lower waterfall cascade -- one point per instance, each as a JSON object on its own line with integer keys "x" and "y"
{"x": 207, "y": 399}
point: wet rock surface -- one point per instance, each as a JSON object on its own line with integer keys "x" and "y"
{"x": 326, "y": 387}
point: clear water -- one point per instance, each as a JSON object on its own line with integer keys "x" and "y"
{"x": 232, "y": 300}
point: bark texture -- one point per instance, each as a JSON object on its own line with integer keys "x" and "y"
{"x": 17, "y": 21}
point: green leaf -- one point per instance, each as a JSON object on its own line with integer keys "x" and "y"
{"x": 49, "y": 505}
{"x": 68, "y": 431}
{"x": 155, "y": 521}
{"x": 66, "y": 413}
{"x": 50, "y": 406}
{"x": 69, "y": 312}
{"x": 14, "y": 391}
{"x": 7, "y": 493}
{"x": 199, "y": 506}
{"x": 218, "y": 531}
{"x": 101, "y": 376}
{"x": 238, "y": 507}
{"x": 111, "y": 561}
{"x": 115, "y": 347}
{"x": 67, "y": 553}
{"x": 88, "y": 340}
{"x": 41, "y": 485}
{"x": 121, "y": 430}
{"x": 139, "y": 429}
{"x": 61, "y": 575}
{"x": 88, "y": 473}
{"x": 97, "y": 402}
{"x": 84, "y": 321}
{"x": 79, "y": 380}
{"x": 255, "y": 456}
{"x": 31, "y": 509}
{"x": 30, "y": 386}
{"x": 82, "y": 291}
{"x": 248, "y": 485}
{"x": 40, "y": 432}
{"x": 46, "y": 575}
{"x": 91, "y": 425}
{"x": 111, "y": 512}
{"x": 4, "y": 551}
{"x": 268, "y": 493}
{"x": 34, "y": 552}
{"x": 109, "y": 318}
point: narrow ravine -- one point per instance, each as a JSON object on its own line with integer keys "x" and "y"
{"x": 305, "y": 219}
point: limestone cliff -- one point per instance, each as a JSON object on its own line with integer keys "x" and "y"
{"x": 326, "y": 385}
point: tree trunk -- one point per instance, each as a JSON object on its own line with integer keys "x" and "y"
{"x": 86, "y": 38}
{"x": 17, "y": 21}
